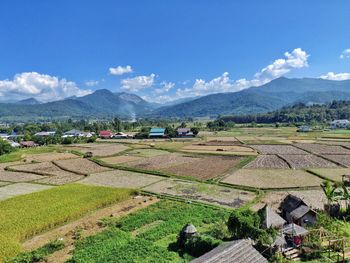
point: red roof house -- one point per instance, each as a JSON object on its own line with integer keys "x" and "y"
{"x": 106, "y": 134}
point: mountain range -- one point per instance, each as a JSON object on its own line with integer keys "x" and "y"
{"x": 106, "y": 104}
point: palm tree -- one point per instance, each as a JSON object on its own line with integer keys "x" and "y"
{"x": 332, "y": 195}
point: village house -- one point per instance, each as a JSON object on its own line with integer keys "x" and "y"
{"x": 184, "y": 132}
{"x": 73, "y": 133}
{"x": 295, "y": 210}
{"x": 45, "y": 133}
{"x": 304, "y": 128}
{"x": 340, "y": 124}
{"x": 121, "y": 135}
{"x": 28, "y": 144}
{"x": 157, "y": 133}
{"x": 270, "y": 219}
{"x": 4, "y": 136}
{"x": 237, "y": 251}
{"x": 106, "y": 134}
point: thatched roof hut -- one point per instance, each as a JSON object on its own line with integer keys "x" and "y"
{"x": 189, "y": 229}
{"x": 238, "y": 251}
{"x": 270, "y": 218}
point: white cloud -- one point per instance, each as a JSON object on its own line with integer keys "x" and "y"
{"x": 166, "y": 87}
{"x": 120, "y": 70}
{"x": 294, "y": 60}
{"x": 40, "y": 86}
{"x": 336, "y": 76}
{"x": 91, "y": 83}
{"x": 345, "y": 54}
{"x": 137, "y": 83}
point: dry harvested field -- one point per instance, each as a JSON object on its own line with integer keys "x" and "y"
{"x": 56, "y": 176}
{"x": 99, "y": 149}
{"x": 120, "y": 159}
{"x": 146, "y": 152}
{"x": 81, "y": 166}
{"x": 273, "y": 178}
{"x": 323, "y": 149}
{"x": 332, "y": 174}
{"x": 306, "y": 161}
{"x": 205, "y": 167}
{"x": 278, "y": 149}
{"x": 237, "y": 149}
{"x": 335, "y": 142}
{"x": 222, "y": 139}
{"x": 162, "y": 161}
{"x": 313, "y": 198}
{"x": 121, "y": 179}
{"x": 267, "y": 162}
{"x": 12, "y": 190}
{"x": 49, "y": 157}
{"x": 213, "y": 194}
{"x": 18, "y": 177}
{"x": 339, "y": 158}
{"x": 3, "y": 183}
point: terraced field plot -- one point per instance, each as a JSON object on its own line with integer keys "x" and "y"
{"x": 146, "y": 152}
{"x": 278, "y": 149}
{"x": 8, "y": 176}
{"x": 120, "y": 159}
{"x": 99, "y": 149}
{"x": 272, "y": 178}
{"x": 81, "y": 166}
{"x": 233, "y": 149}
{"x": 162, "y": 161}
{"x": 49, "y": 157}
{"x": 205, "y": 167}
{"x": 3, "y": 183}
{"x": 297, "y": 161}
{"x": 12, "y": 190}
{"x": 332, "y": 174}
{"x": 208, "y": 193}
{"x": 323, "y": 149}
{"x": 267, "y": 162}
{"x": 339, "y": 158}
{"x": 121, "y": 179}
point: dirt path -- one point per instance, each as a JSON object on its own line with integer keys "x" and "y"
{"x": 88, "y": 225}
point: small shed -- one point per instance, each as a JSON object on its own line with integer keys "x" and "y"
{"x": 189, "y": 230}
{"x": 184, "y": 132}
{"x": 237, "y": 251}
{"x": 28, "y": 144}
{"x": 106, "y": 134}
{"x": 270, "y": 218}
{"x": 73, "y": 133}
{"x": 157, "y": 133}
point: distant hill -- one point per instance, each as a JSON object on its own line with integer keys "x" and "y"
{"x": 298, "y": 113}
{"x": 271, "y": 96}
{"x": 30, "y": 101}
{"x": 100, "y": 104}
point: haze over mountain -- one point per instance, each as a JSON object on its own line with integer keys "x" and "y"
{"x": 106, "y": 104}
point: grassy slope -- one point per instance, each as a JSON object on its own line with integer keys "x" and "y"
{"x": 20, "y": 154}
{"x": 24, "y": 216}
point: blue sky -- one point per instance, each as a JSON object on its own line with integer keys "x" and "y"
{"x": 174, "y": 49}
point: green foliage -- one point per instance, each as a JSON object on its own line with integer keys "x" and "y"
{"x": 39, "y": 254}
{"x": 24, "y": 216}
{"x": 199, "y": 245}
{"x": 5, "y": 147}
{"x": 149, "y": 235}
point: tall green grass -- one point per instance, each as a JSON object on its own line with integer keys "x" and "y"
{"x": 24, "y": 216}
{"x": 20, "y": 154}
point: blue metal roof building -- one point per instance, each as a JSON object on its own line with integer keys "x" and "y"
{"x": 157, "y": 132}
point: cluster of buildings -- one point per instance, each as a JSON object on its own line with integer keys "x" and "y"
{"x": 161, "y": 133}
{"x": 335, "y": 124}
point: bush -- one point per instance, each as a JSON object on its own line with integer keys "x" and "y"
{"x": 199, "y": 245}
{"x": 5, "y": 147}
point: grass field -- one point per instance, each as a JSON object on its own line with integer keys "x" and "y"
{"x": 272, "y": 178}
{"x": 24, "y": 216}
{"x": 332, "y": 174}
{"x": 21, "y": 154}
{"x": 149, "y": 235}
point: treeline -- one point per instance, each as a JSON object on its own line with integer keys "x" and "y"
{"x": 297, "y": 114}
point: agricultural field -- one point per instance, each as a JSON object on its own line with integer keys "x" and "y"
{"x": 80, "y": 166}
{"x": 99, "y": 149}
{"x": 23, "y": 154}
{"x": 24, "y": 216}
{"x": 299, "y": 161}
{"x": 44, "y": 157}
{"x": 121, "y": 179}
{"x": 219, "y": 149}
{"x": 339, "y": 158}
{"x": 208, "y": 193}
{"x": 148, "y": 235}
{"x": 120, "y": 159}
{"x": 272, "y": 178}
{"x": 12, "y": 190}
{"x": 323, "y": 149}
{"x": 146, "y": 152}
{"x": 278, "y": 149}
{"x": 332, "y": 174}
{"x": 17, "y": 177}
{"x": 267, "y": 162}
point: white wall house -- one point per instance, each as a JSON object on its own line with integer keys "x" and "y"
{"x": 340, "y": 124}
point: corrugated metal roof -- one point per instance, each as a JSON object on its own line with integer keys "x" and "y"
{"x": 238, "y": 251}
{"x": 157, "y": 130}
